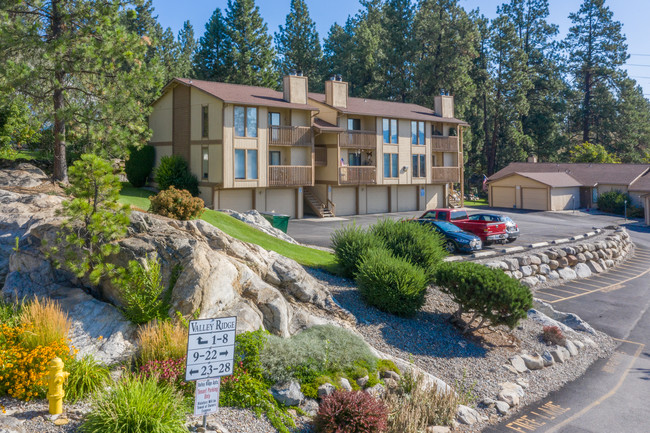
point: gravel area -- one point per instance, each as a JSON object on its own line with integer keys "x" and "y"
{"x": 473, "y": 364}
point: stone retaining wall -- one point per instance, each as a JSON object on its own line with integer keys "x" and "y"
{"x": 567, "y": 262}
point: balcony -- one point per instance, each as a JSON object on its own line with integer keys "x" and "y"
{"x": 358, "y": 139}
{"x": 290, "y": 175}
{"x": 445, "y": 174}
{"x": 290, "y": 136}
{"x": 444, "y": 144}
{"x": 353, "y": 175}
{"x": 320, "y": 156}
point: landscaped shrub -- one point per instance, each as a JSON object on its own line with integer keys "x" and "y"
{"x": 161, "y": 340}
{"x": 391, "y": 284}
{"x": 416, "y": 243}
{"x": 10, "y": 312}
{"x": 177, "y": 203}
{"x": 488, "y": 294}
{"x": 314, "y": 352}
{"x": 43, "y": 323}
{"x": 614, "y": 202}
{"x": 136, "y": 404}
{"x": 174, "y": 171}
{"x": 139, "y": 164}
{"x": 169, "y": 371}
{"x": 350, "y": 245}
{"x": 351, "y": 412}
{"x": 87, "y": 376}
{"x": 142, "y": 290}
{"x": 553, "y": 335}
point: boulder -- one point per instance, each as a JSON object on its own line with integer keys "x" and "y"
{"x": 24, "y": 175}
{"x": 547, "y": 358}
{"x": 530, "y": 281}
{"x": 363, "y": 381}
{"x": 544, "y": 269}
{"x": 541, "y": 279}
{"x": 438, "y": 429}
{"x": 552, "y": 255}
{"x": 488, "y": 402}
{"x": 573, "y": 350}
{"x": 10, "y": 424}
{"x": 376, "y": 391}
{"x": 527, "y": 271}
{"x": 518, "y": 363}
{"x": 390, "y": 374}
{"x": 513, "y": 264}
{"x": 563, "y": 262}
{"x": 288, "y": 393}
{"x": 594, "y": 266}
{"x": 560, "y": 354}
{"x": 533, "y": 362}
{"x": 255, "y": 219}
{"x": 567, "y": 322}
{"x": 502, "y": 407}
{"x": 543, "y": 258}
{"x": 535, "y": 260}
{"x": 510, "y": 393}
{"x": 467, "y": 415}
{"x": 579, "y": 344}
{"x": 553, "y": 264}
{"x": 582, "y": 270}
{"x": 345, "y": 384}
{"x": 325, "y": 389}
{"x": 553, "y": 276}
{"x": 567, "y": 274}
{"x": 524, "y": 261}
{"x": 522, "y": 382}
{"x": 581, "y": 258}
{"x": 309, "y": 406}
{"x": 517, "y": 275}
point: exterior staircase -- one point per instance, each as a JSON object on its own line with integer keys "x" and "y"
{"x": 323, "y": 210}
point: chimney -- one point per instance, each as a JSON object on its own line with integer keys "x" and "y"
{"x": 532, "y": 159}
{"x": 336, "y": 92}
{"x": 295, "y": 87}
{"x": 444, "y": 104}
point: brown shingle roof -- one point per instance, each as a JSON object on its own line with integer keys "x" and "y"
{"x": 641, "y": 184}
{"x": 586, "y": 174}
{"x": 557, "y": 180}
{"x": 374, "y": 107}
{"x": 241, "y": 94}
{"x": 324, "y": 126}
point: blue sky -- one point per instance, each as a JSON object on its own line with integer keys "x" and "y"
{"x": 632, "y": 13}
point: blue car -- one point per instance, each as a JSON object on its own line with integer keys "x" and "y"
{"x": 456, "y": 240}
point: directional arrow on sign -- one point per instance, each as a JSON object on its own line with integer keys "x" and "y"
{"x": 202, "y": 341}
{"x": 193, "y": 372}
{"x": 223, "y": 353}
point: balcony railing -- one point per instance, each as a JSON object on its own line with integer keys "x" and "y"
{"x": 289, "y": 175}
{"x": 290, "y": 136}
{"x": 320, "y": 156}
{"x": 444, "y": 144}
{"x": 358, "y": 139}
{"x": 445, "y": 174}
{"x": 353, "y": 175}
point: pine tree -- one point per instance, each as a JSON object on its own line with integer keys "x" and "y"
{"x": 186, "y": 48}
{"x": 398, "y": 47}
{"x": 595, "y": 49}
{"x": 298, "y": 45}
{"x": 210, "y": 58}
{"x": 339, "y": 51}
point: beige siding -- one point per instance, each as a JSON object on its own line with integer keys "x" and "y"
{"x": 637, "y": 198}
{"x": 162, "y": 151}
{"x": 407, "y": 198}
{"x": 295, "y": 89}
{"x": 300, "y": 118}
{"x": 301, "y": 155}
{"x": 240, "y": 200}
{"x": 195, "y": 161}
{"x": 565, "y": 198}
{"x": 281, "y": 201}
{"x": 326, "y": 113}
{"x": 435, "y": 196}
{"x": 215, "y": 115}
{"x": 329, "y": 173}
{"x": 215, "y": 155}
{"x": 160, "y": 119}
{"x": 345, "y": 200}
{"x": 534, "y": 198}
{"x": 377, "y": 199}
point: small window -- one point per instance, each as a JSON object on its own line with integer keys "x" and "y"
{"x": 437, "y": 129}
{"x": 245, "y": 164}
{"x": 390, "y": 130}
{"x": 395, "y": 165}
{"x": 245, "y": 121}
{"x": 419, "y": 170}
{"x": 417, "y": 133}
{"x": 354, "y": 124}
{"x": 204, "y": 122}
{"x": 205, "y": 163}
{"x": 391, "y": 165}
{"x": 354, "y": 159}
{"x": 274, "y": 157}
{"x": 274, "y": 119}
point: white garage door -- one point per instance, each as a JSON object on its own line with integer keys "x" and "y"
{"x": 407, "y": 198}
{"x": 345, "y": 200}
{"x": 281, "y": 201}
{"x": 435, "y": 196}
{"x": 240, "y": 200}
{"x": 377, "y": 199}
{"x": 534, "y": 198}
{"x": 503, "y": 196}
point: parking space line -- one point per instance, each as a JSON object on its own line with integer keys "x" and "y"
{"x": 587, "y": 284}
{"x": 551, "y": 294}
{"x": 603, "y": 288}
{"x": 560, "y": 290}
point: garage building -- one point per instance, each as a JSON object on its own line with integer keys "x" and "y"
{"x": 535, "y": 191}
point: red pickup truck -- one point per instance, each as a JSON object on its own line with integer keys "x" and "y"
{"x": 489, "y": 232}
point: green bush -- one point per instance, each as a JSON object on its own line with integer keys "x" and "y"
{"x": 177, "y": 203}
{"x": 614, "y": 202}
{"x": 142, "y": 290}
{"x": 350, "y": 244}
{"x": 416, "y": 243}
{"x": 87, "y": 376}
{"x": 10, "y": 313}
{"x": 391, "y": 283}
{"x": 174, "y": 171}
{"x": 486, "y": 293}
{"x": 139, "y": 164}
{"x": 136, "y": 404}
{"x": 314, "y": 352}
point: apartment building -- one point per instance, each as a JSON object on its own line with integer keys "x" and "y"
{"x": 257, "y": 148}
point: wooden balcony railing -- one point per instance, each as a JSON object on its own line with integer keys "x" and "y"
{"x": 444, "y": 144}
{"x": 358, "y": 139}
{"x": 445, "y": 174}
{"x": 320, "y": 156}
{"x": 289, "y": 175}
{"x": 290, "y": 136}
{"x": 353, "y": 175}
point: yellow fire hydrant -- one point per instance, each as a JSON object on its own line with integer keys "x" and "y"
{"x": 55, "y": 391}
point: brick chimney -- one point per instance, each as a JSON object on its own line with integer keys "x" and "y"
{"x": 295, "y": 88}
{"x": 532, "y": 159}
{"x": 336, "y": 92}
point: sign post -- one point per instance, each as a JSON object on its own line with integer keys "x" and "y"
{"x": 210, "y": 355}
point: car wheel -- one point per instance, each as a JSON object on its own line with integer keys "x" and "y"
{"x": 511, "y": 240}
{"x": 450, "y": 246}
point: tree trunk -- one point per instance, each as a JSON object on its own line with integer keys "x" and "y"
{"x": 58, "y": 97}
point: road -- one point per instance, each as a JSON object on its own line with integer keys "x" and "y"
{"x": 612, "y": 396}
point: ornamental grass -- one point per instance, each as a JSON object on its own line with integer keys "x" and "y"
{"x": 43, "y": 323}
{"x": 159, "y": 341}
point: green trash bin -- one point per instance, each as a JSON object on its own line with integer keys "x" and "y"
{"x": 277, "y": 220}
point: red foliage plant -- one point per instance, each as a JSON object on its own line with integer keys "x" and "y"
{"x": 351, "y": 412}
{"x": 553, "y": 334}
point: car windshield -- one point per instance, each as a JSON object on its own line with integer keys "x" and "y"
{"x": 448, "y": 227}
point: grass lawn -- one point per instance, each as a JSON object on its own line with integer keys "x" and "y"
{"x": 479, "y": 202}
{"x": 306, "y": 256}
{"x": 29, "y": 155}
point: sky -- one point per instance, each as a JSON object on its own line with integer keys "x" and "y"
{"x": 633, "y": 14}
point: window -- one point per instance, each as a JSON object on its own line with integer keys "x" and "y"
{"x": 204, "y": 121}
{"x": 274, "y": 157}
{"x": 419, "y": 168}
{"x": 354, "y": 159}
{"x": 417, "y": 133}
{"x": 245, "y": 121}
{"x": 204, "y": 162}
{"x": 390, "y": 130}
{"x": 354, "y": 124}
{"x": 274, "y": 119}
{"x": 391, "y": 165}
{"x": 437, "y": 129}
{"x": 245, "y": 164}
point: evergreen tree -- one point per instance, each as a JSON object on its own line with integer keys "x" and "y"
{"x": 339, "y": 51}
{"x": 298, "y": 45}
{"x": 80, "y": 68}
{"x": 186, "y": 48}
{"x": 631, "y": 123}
{"x": 595, "y": 49}
{"x": 591, "y": 153}
{"x": 398, "y": 47}
{"x": 210, "y": 58}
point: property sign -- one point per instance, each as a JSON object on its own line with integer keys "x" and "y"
{"x": 206, "y": 397}
{"x": 210, "y": 348}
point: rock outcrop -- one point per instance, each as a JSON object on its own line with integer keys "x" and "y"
{"x": 255, "y": 219}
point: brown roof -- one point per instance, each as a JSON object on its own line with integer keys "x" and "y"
{"x": 586, "y": 174}
{"x": 552, "y": 179}
{"x": 324, "y": 126}
{"x": 375, "y": 107}
{"x": 241, "y": 94}
{"x": 641, "y": 184}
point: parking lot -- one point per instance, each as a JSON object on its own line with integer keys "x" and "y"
{"x": 534, "y": 226}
